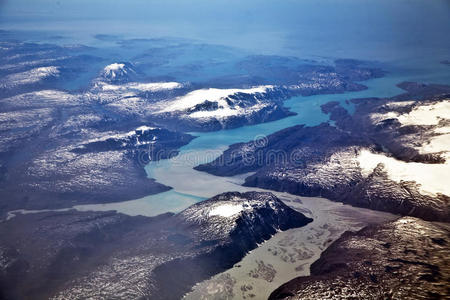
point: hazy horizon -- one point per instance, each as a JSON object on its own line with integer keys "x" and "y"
{"x": 382, "y": 30}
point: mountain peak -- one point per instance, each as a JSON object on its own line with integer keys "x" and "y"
{"x": 255, "y": 213}
{"x": 119, "y": 72}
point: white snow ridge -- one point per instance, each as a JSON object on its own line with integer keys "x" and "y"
{"x": 225, "y": 104}
{"x": 226, "y": 210}
{"x": 118, "y": 72}
{"x": 432, "y": 178}
{"x": 29, "y": 77}
{"x": 114, "y": 67}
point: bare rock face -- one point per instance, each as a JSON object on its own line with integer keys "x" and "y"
{"x": 74, "y": 254}
{"x": 405, "y": 259}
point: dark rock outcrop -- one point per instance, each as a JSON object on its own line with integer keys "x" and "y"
{"x": 404, "y": 259}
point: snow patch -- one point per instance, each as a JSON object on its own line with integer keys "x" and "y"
{"x": 114, "y": 67}
{"x": 434, "y": 114}
{"x": 226, "y": 210}
{"x": 142, "y": 87}
{"x": 440, "y": 143}
{"x": 432, "y": 178}
{"x": 427, "y": 114}
{"x": 214, "y": 95}
{"x": 226, "y": 112}
{"x": 399, "y": 104}
{"x": 442, "y": 130}
{"x": 122, "y": 135}
{"x": 145, "y": 128}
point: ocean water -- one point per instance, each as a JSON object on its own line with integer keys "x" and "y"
{"x": 409, "y": 36}
{"x": 368, "y": 29}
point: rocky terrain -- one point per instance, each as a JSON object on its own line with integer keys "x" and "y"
{"x": 59, "y": 147}
{"x": 199, "y": 107}
{"x": 77, "y": 126}
{"x": 404, "y": 259}
{"x": 390, "y": 154}
{"x": 75, "y": 162}
{"x": 82, "y": 127}
{"x": 71, "y": 118}
{"x": 71, "y": 254}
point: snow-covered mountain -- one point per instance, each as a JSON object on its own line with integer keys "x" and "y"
{"x": 214, "y": 109}
{"x": 120, "y": 72}
{"x": 217, "y": 103}
{"x": 259, "y": 215}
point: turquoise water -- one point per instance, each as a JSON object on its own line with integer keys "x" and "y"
{"x": 170, "y": 201}
{"x": 190, "y": 186}
{"x": 308, "y": 112}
